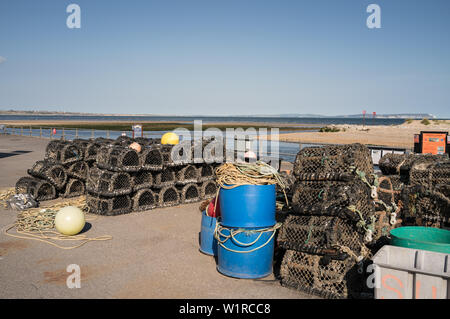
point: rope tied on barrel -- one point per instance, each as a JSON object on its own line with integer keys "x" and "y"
{"x": 231, "y": 175}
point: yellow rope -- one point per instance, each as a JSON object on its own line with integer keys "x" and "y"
{"x": 5, "y": 195}
{"x": 39, "y": 223}
{"x": 231, "y": 175}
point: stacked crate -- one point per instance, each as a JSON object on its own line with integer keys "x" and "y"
{"x": 334, "y": 222}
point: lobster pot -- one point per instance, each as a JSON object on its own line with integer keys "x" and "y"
{"x": 248, "y": 206}
{"x": 103, "y": 141}
{"x": 430, "y": 174}
{"x": 123, "y": 141}
{"x": 74, "y": 188}
{"x": 164, "y": 178}
{"x": 327, "y": 278}
{"x": 78, "y": 170}
{"x": 335, "y": 159}
{"x": 168, "y": 196}
{"x": 109, "y": 206}
{"x": 384, "y": 223}
{"x": 51, "y": 172}
{"x": 106, "y": 183}
{"x": 390, "y": 189}
{"x": 181, "y": 155}
{"x": 189, "y": 193}
{"x": 90, "y": 154}
{"x": 245, "y": 252}
{"x": 118, "y": 159}
{"x": 151, "y": 159}
{"x": 401, "y": 164}
{"x": 82, "y": 145}
{"x": 187, "y": 174}
{"x": 208, "y": 189}
{"x": 206, "y": 172}
{"x": 144, "y": 199}
{"x": 213, "y": 151}
{"x": 309, "y": 193}
{"x": 208, "y": 244}
{"x": 141, "y": 180}
{"x": 424, "y": 207}
{"x": 63, "y": 152}
{"x": 40, "y": 189}
{"x": 334, "y": 199}
{"x": 144, "y": 141}
{"x": 321, "y": 235}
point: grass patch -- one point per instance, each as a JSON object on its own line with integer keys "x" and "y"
{"x": 409, "y": 121}
{"x": 327, "y": 129}
{"x": 425, "y": 122}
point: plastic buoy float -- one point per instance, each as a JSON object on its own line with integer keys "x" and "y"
{"x": 69, "y": 220}
{"x": 170, "y": 138}
{"x": 136, "y": 146}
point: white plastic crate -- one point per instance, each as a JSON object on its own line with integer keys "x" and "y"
{"x": 405, "y": 273}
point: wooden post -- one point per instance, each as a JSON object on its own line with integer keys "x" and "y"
{"x": 21, "y": 131}
{"x": 92, "y": 133}
{"x": 40, "y": 131}
{"x": 63, "y": 137}
{"x": 107, "y": 134}
{"x": 31, "y": 131}
{"x": 76, "y": 133}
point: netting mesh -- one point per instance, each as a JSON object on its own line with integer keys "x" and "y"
{"x": 107, "y": 183}
{"x": 168, "y": 196}
{"x": 78, "y": 170}
{"x": 40, "y": 189}
{"x": 142, "y": 179}
{"x": 424, "y": 207}
{"x": 390, "y": 189}
{"x": 189, "y": 193}
{"x": 63, "y": 152}
{"x": 334, "y": 159}
{"x": 400, "y": 164}
{"x": 74, "y": 188}
{"x": 108, "y": 206}
{"x": 50, "y": 171}
{"x": 164, "y": 178}
{"x": 430, "y": 174}
{"x": 324, "y": 277}
{"x": 206, "y": 172}
{"x": 144, "y": 199}
{"x": 208, "y": 189}
{"x": 116, "y": 158}
{"x": 333, "y": 198}
{"x": 151, "y": 159}
{"x": 187, "y": 174}
{"x": 321, "y": 235}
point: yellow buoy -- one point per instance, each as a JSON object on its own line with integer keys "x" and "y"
{"x": 69, "y": 220}
{"x": 170, "y": 138}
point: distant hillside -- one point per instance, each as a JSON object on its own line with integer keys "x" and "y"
{"x": 415, "y": 116}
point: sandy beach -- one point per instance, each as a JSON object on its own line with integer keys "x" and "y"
{"x": 382, "y": 135}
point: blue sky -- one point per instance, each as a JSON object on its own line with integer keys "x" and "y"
{"x": 219, "y": 57}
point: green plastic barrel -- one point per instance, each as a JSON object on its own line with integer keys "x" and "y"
{"x": 425, "y": 238}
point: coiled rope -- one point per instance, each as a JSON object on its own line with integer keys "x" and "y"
{"x": 231, "y": 175}
{"x": 39, "y": 223}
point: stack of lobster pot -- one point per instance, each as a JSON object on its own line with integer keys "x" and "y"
{"x": 422, "y": 182}
{"x": 62, "y": 173}
{"x": 336, "y": 218}
{"x": 124, "y": 179}
{"x": 246, "y": 230}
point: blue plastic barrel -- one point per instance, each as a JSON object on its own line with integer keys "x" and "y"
{"x": 248, "y": 206}
{"x": 245, "y": 253}
{"x": 208, "y": 244}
